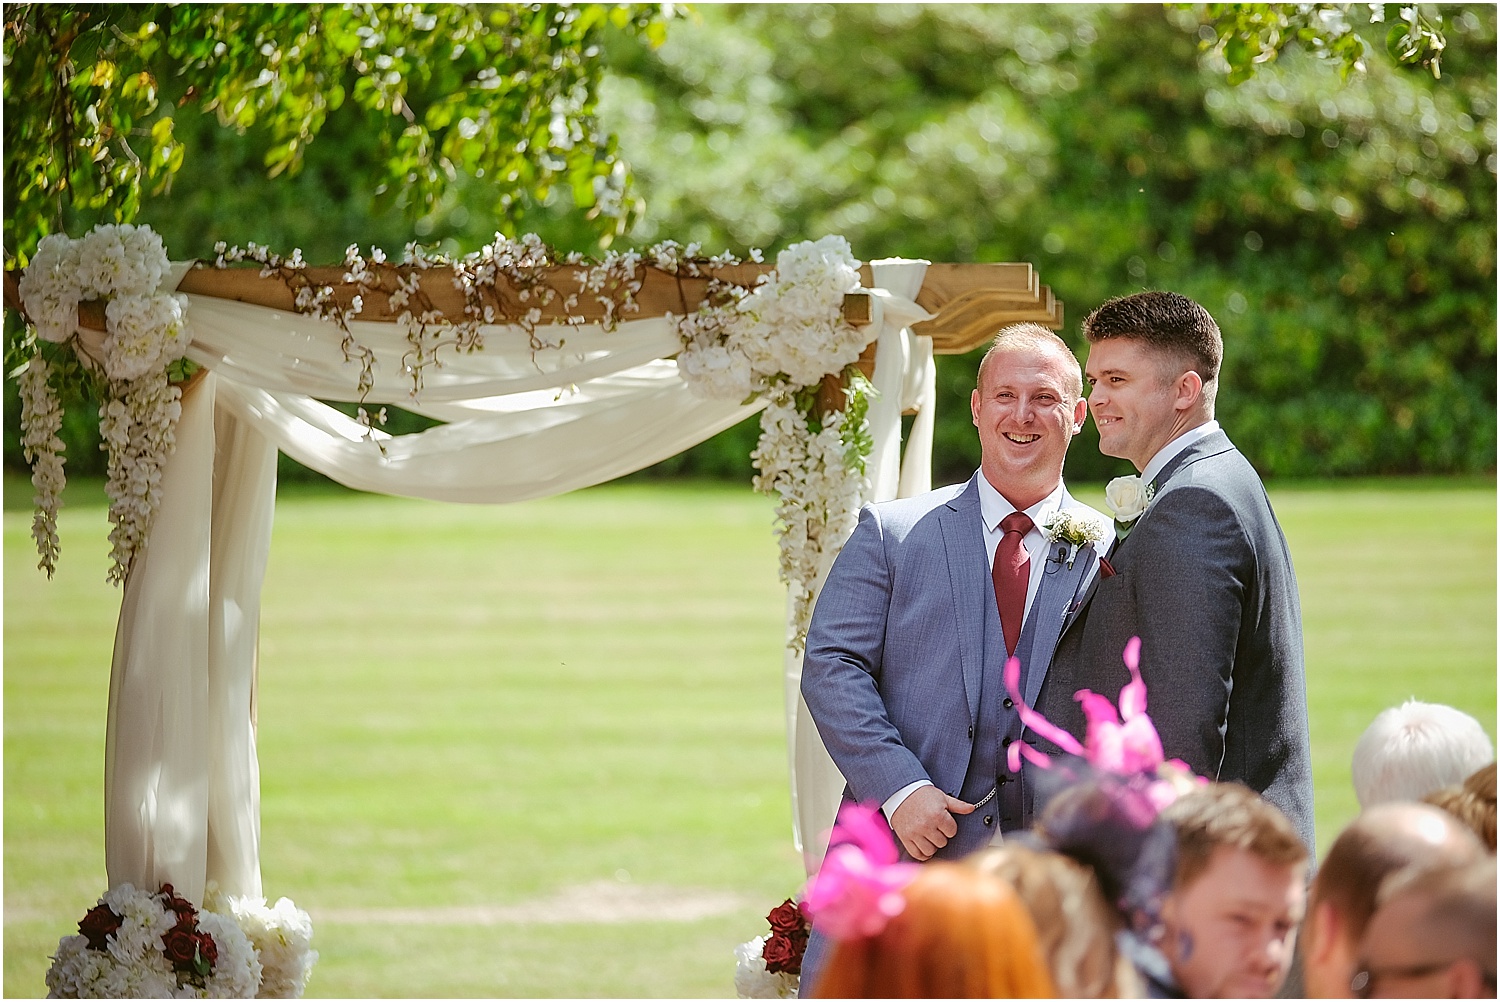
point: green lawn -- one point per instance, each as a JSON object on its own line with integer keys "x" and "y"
{"x": 493, "y": 706}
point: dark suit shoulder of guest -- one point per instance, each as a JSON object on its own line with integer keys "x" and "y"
{"x": 882, "y": 669}
{"x": 1205, "y": 579}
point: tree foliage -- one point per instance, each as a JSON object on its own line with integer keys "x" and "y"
{"x": 1342, "y": 231}
{"x": 1248, "y": 35}
{"x": 503, "y": 92}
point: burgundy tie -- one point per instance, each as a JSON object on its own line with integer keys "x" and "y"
{"x": 1012, "y": 571}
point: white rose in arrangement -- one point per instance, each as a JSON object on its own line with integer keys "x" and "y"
{"x": 1127, "y": 498}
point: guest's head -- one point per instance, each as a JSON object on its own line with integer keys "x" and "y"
{"x": 1075, "y": 924}
{"x": 1384, "y": 840}
{"x": 1473, "y": 803}
{"x": 1238, "y": 894}
{"x": 1028, "y": 405}
{"x": 1154, "y": 371}
{"x": 1415, "y": 749}
{"x": 960, "y": 934}
{"x": 1432, "y": 935}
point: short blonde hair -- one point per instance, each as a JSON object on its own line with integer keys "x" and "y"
{"x": 1075, "y": 924}
{"x": 1033, "y": 336}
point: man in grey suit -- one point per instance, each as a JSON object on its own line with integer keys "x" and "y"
{"x": 930, "y": 596}
{"x": 1202, "y": 575}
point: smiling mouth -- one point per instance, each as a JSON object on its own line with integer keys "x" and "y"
{"x": 1021, "y": 439}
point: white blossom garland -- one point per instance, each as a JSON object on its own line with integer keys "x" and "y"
{"x": 778, "y": 341}
{"x": 147, "y": 332}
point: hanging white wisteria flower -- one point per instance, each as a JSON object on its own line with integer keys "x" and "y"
{"x": 818, "y": 479}
{"x": 778, "y": 340}
{"x": 147, "y": 331}
{"x": 41, "y": 421}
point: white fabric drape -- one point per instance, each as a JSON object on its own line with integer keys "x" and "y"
{"x": 904, "y": 379}
{"x": 525, "y": 418}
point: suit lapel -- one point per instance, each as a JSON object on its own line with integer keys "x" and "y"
{"x": 973, "y": 591}
{"x": 1052, "y": 609}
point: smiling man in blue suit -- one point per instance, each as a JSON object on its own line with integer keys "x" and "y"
{"x": 903, "y": 671}
{"x": 932, "y": 594}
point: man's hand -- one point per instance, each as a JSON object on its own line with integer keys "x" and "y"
{"x": 924, "y": 821}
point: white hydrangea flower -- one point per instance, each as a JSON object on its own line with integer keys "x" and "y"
{"x": 50, "y": 290}
{"x": 282, "y": 937}
{"x": 134, "y": 964}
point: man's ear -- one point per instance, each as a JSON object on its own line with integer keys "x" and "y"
{"x": 1169, "y": 926}
{"x": 1189, "y": 391}
{"x": 1320, "y": 930}
{"x": 1080, "y": 414}
{"x": 974, "y": 407}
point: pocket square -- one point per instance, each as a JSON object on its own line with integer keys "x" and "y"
{"x": 1106, "y": 569}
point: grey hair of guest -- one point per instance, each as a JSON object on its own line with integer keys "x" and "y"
{"x": 1415, "y": 749}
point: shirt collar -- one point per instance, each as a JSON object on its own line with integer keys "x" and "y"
{"x": 993, "y": 507}
{"x": 1170, "y": 451}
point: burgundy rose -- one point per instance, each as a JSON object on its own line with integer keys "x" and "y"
{"x": 98, "y": 925}
{"x": 786, "y": 917}
{"x": 781, "y": 954}
{"x": 181, "y": 947}
{"x": 208, "y": 949}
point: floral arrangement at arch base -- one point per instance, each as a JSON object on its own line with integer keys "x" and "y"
{"x": 141, "y": 944}
{"x": 770, "y": 967}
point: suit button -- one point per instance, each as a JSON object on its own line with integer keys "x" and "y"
{"x": 1009, "y": 702}
{"x": 1004, "y": 780}
{"x": 988, "y": 820}
{"x": 971, "y": 733}
{"x": 1005, "y": 743}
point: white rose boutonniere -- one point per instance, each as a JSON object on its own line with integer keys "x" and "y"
{"x": 1074, "y": 528}
{"x": 1127, "y": 499}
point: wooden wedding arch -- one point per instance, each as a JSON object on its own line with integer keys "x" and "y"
{"x": 190, "y": 606}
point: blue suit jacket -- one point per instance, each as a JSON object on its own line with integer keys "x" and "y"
{"x": 902, "y": 671}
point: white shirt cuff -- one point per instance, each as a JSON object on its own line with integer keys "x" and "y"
{"x": 894, "y": 800}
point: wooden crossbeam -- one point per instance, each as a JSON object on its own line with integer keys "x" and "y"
{"x": 969, "y": 302}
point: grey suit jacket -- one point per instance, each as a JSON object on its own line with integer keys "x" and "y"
{"x": 1205, "y": 580}
{"x": 904, "y": 658}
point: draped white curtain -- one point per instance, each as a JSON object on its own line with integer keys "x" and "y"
{"x": 181, "y": 776}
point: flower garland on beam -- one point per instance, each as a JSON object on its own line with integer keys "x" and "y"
{"x": 776, "y": 339}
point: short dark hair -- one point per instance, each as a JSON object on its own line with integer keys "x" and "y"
{"x": 1166, "y": 321}
{"x": 1232, "y": 815}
